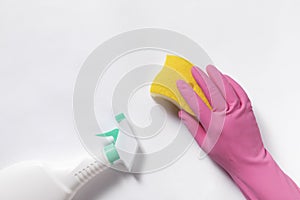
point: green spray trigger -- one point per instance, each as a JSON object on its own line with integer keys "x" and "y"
{"x": 113, "y": 133}
{"x": 113, "y": 151}
{"x": 110, "y": 150}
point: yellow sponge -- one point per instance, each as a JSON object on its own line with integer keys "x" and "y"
{"x": 164, "y": 84}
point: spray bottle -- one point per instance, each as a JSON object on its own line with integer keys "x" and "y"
{"x": 36, "y": 181}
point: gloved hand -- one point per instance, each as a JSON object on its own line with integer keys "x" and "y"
{"x": 230, "y": 135}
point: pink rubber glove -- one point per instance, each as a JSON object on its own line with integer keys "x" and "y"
{"x": 230, "y": 135}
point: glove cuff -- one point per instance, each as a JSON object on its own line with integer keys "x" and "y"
{"x": 263, "y": 179}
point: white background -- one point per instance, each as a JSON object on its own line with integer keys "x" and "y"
{"x": 44, "y": 43}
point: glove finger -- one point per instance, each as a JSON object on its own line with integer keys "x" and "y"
{"x": 224, "y": 86}
{"x": 217, "y": 100}
{"x": 242, "y": 95}
{"x": 201, "y": 78}
{"x": 193, "y": 126}
{"x": 202, "y": 112}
